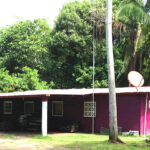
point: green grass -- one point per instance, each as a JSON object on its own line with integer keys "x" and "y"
{"x": 93, "y": 142}
{"x": 9, "y": 136}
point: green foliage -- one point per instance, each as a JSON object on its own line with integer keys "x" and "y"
{"x": 146, "y": 55}
{"x": 72, "y": 43}
{"x": 133, "y": 13}
{"x": 7, "y": 82}
{"x": 72, "y": 48}
{"x": 25, "y": 44}
{"x": 34, "y": 56}
{"x": 146, "y": 71}
{"x": 27, "y": 80}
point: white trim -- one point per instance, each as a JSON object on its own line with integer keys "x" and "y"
{"x": 44, "y": 117}
{"x": 75, "y": 92}
{"x": 4, "y": 111}
{"x": 29, "y": 102}
{"x": 55, "y": 102}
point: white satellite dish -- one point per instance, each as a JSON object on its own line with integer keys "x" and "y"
{"x": 135, "y": 79}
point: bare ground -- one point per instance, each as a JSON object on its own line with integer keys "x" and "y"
{"x": 21, "y": 141}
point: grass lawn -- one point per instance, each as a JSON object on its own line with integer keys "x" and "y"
{"x": 92, "y": 142}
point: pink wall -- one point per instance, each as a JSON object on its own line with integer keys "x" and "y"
{"x": 130, "y": 112}
{"x": 73, "y": 110}
{"x": 142, "y": 119}
{"x": 148, "y": 116}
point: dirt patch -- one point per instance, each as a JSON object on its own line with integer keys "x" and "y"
{"x": 25, "y": 144}
{"x": 22, "y": 141}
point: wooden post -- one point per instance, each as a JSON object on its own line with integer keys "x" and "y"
{"x": 44, "y": 115}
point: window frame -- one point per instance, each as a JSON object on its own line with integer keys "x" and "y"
{"x": 4, "y": 106}
{"x": 90, "y": 111}
{"x": 29, "y": 102}
{"x": 56, "y": 102}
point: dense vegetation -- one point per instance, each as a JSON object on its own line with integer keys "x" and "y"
{"x": 35, "y": 56}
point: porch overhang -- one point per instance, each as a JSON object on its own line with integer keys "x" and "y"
{"x": 25, "y": 94}
{"x": 73, "y": 92}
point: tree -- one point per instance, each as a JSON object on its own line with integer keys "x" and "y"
{"x": 28, "y": 79}
{"x": 146, "y": 55}
{"x": 113, "y": 135}
{"x": 71, "y": 50}
{"x": 134, "y": 14}
{"x": 6, "y": 81}
{"x": 25, "y": 44}
{"x": 72, "y": 44}
{"x": 98, "y": 14}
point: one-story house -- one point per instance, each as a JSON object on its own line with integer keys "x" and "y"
{"x": 55, "y": 106}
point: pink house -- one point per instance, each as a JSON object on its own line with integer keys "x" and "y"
{"x": 60, "y": 105}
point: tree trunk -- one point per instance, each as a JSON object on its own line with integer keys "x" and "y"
{"x": 113, "y": 135}
{"x": 134, "y": 54}
{"x": 141, "y": 62}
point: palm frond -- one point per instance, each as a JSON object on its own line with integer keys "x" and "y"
{"x": 147, "y": 6}
{"x": 126, "y": 62}
{"x": 133, "y": 12}
{"x": 138, "y": 3}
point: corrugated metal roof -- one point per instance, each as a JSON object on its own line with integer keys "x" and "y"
{"x": 39, "y": 93}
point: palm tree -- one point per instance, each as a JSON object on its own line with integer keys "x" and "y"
{"x": 134, "y": 14}
{"x": 113, "y": 135}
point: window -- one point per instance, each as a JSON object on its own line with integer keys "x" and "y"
{"x": 89, "y": 109}
{"x": 57, "y": 108}
{"x": 28, "y": 107}
{"x": 7, "y": 107}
